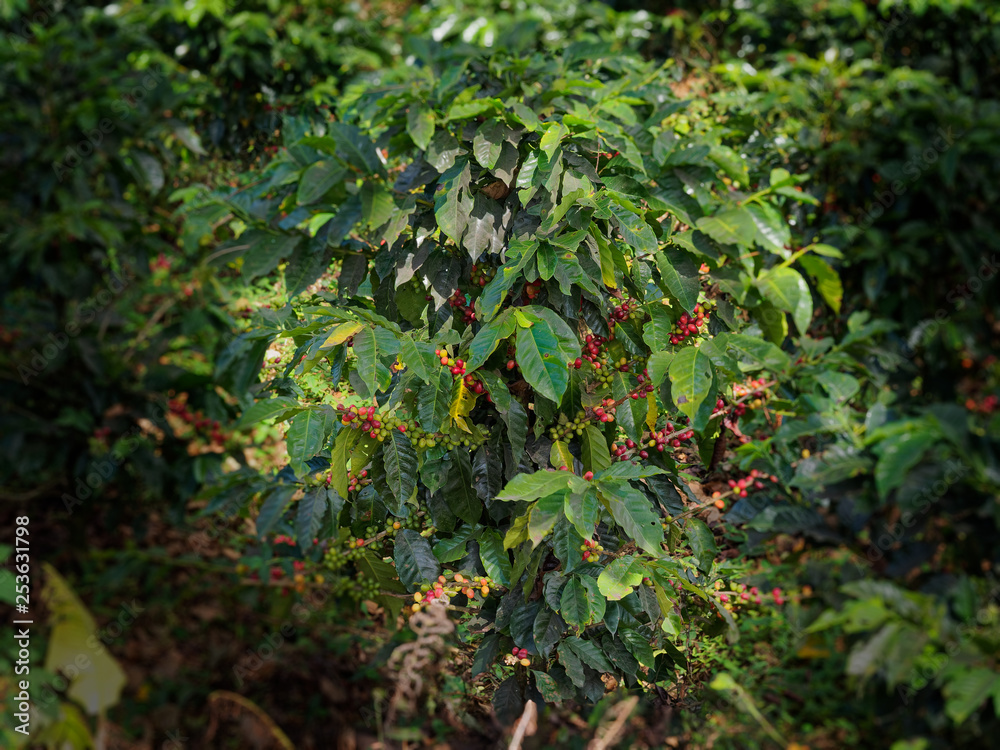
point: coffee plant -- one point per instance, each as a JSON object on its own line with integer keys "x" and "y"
{"x": 562, "y": 295}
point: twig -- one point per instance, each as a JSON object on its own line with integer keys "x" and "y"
{"x": 622, "y": 712}
{"x": 526, "y": 725}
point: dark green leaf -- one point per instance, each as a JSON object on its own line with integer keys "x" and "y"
{"x": 415, "y": 561}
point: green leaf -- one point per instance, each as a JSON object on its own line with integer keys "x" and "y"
{"x": 680, "y": 276}
{"x": 549, "y": 689}
{"x": 543, "y": 516}
{"x": 312, "y": 506}
{"x": 773, "y": 233}
{"x": 400, "y": 461}
{"x": 634, "y": 229}
{"x": 419, "y": 357}
{"x": 354, "y": 147}
{"x": 839, "y": 385}
{"x": 458, "y": 491}
{"x": 541, "y": 359}
{"x": 547, "y": 630}
{"x": 897, "y": 455}
{"x": 434, "y": 401}
{"x": 494, "y": 557}
{"x": 658, "y": 366}
{"x": 968, "y": 691}
{"x": 317, "y": 179}
{"x": 453, "y": 204}
{"x": 572, "y": 664}
{"x": 367, "y": 351}
{"x": 275, "y": 500}
{"x": 692, "y": 380}
{"x": 732, "y": 227}
{"x": 265, "y": 251}
{"x": 753, "y": 353}
{"x": 622, "y": 470}
{"x": 596, "y": 455}
{"x": 508, "y": 703}
{"x": 518, "y": 256}
{"x": 554, "y": 132}
{"x": 787, "y": 290}
{"x": 529, "y": 487}
{"x": 581, "y": 509}
{"x": 574, "y": 603}
{"x": 453, "y": 548}
{"x": 590, "y": 653}
{"x": 420, "y": 124}
{"x": 266, "y": 410}
{"x": 487, "y": 142}
{"x": 826, "y": 279}
{"x": 631, "y": 415}
{"x": 307, "y": 264}
{"x": 489, "y": 336}
{"x": 620, "y": 656}
{"x": 619, "y": 577}
{"x": 634, "y": 513}
{"x": 415, "y": 561}
{"x": 638, "y": 644}
{"x": 702, "y": 542}
{"x": 486, "y": 654}
{"x": 307, "y": 433}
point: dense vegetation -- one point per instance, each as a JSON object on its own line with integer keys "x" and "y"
{"x": 636, "y": 362}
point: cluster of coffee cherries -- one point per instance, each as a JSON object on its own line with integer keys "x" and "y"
{"x": 689, "y": 325}
{"x": 203, "y": 426}
{"x": 565, "y": 428}
{"x": 755, "y": 388}
{"x": 394, "y": 525}
{"x": 473, "y": 383}
{"x": 593, "y": 343}
{"x": 462, "y": 305}
{"x": 366, "y": 419}
{"x": 644, "y": 387}
{"x": 986, "y": 406}
{"x": 533, "y": 288}
{"x": 450, "y": 441}
{"x": 455, "y": 366}
{"x": 591, "y": 550}
{"x": 605, "y": 412}
{"x": 365, "y": 588}
{"x": 443, "y": 589}
{"x": 741, "y": 487}
{"x": 742, "y": 594}
{"x": 625, "y": 311}
{"x": 355, "y": 481}
{"x": 481, "y": 275}
{"x": 521, "y": 656}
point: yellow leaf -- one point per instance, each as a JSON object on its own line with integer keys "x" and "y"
{"x": 461, "y": 405}
{"x": 560, "y": 455}
{"x": 341, "y": 333}
{"x": 96, "y": 680}
{"x": 651, "y": 414}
